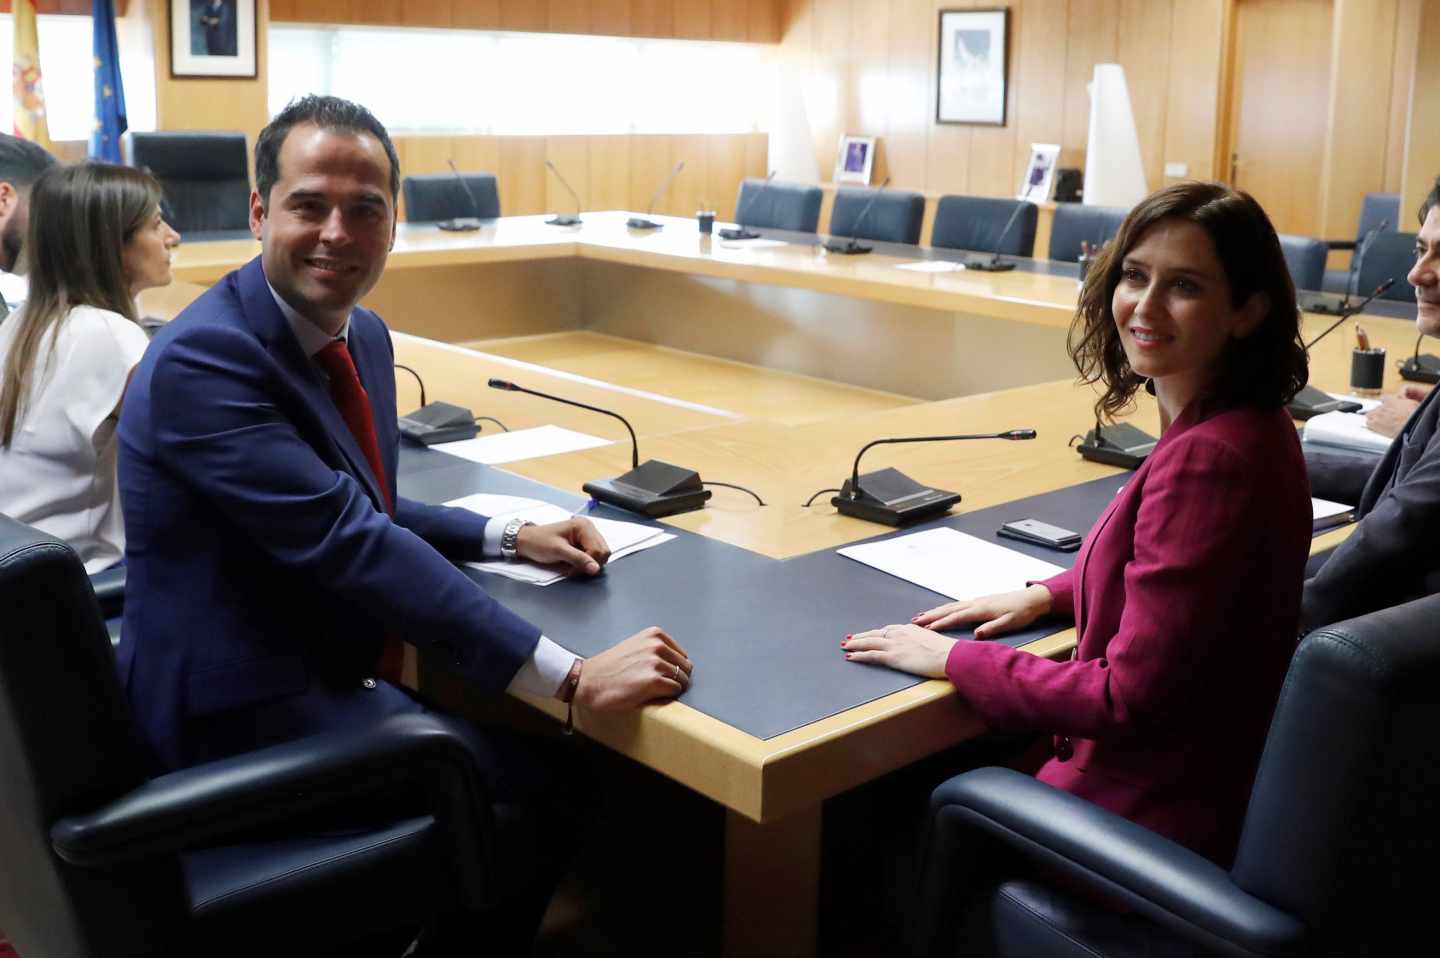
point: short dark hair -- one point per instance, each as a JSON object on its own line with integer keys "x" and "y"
{"x": 22, "y": 162}
{"x": 328, "y": 113}
{"x": 1266, "y": 368}
{"x": 1432, "y": 199}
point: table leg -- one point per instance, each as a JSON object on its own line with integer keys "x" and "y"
{"x": 772, "y": 885}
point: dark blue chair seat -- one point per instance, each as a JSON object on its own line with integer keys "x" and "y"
{"x": 778, "y": 206}
{"x": 439, "y": 196}
{"x": 1075, "y": 223}
{"x": 979, "y": 223}
{"x": 895, "y": 217}
{"x": 1379, "y": 212}
{"x": 1337, "y": 838}
{"x": 1306, "y": 258}
{"x": 205, "y": 176}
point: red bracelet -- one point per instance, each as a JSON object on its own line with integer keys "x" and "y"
{"x": 567, "y": 694}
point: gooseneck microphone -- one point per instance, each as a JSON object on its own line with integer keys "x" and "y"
{"x": 462, "y": 224}
{"x": 1421, "y": 369}
{"x": 995, "y": 264}
{"x": 1310, "y": 401}
{"x": 644, "y": 222}
{"x": 890, "y": 497}
{"x": 853, "y": 246}
{"x": 561, "y": 219}
{"x": 653, "y": 488}
{"x": 740, "y": 232}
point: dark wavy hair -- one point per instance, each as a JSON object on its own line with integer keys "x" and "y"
{"x": 1431, "y": 199}
{"x": 328, "y": 113}
{"x": 1266, "y": 368}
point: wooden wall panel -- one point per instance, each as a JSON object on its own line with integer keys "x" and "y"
{"x": 650, "y": 163}
{"x": 524, "y": 15}
{"x": 1192, "y": 102}
{"x": 610, "y": 173}
{"x": 762, "y": 21}
{"x": 568, "y": 16}
{"x": 1038, "y": 76}
{"x": 1422, "y": 158}
{"x": 652, "y": 18}
{"x": 523, "y": 177}
{"x": 475, "y": 14}
{"x": 1407, "y": 36}
{"x": 730, "y": 21}
{"x": 1143, "y": 48}
{"x": 724, "y": 168}
{"x": 426, "y": 13}
{"x": 688, "y": 193}
{"x": 910, "y": 78}
{"x": 571, "y": 156}
{"x": 376, "y": 11}
{"x": 610, "y": 18}
{"x": 1093, "y": 39}
{"x": 693, "y": 19}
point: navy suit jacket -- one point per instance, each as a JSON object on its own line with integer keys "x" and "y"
{"x": 264, "y": 574}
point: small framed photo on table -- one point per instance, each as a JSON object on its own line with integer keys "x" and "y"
{"x": 973, "y": 58}
{"x": 1039, "y": 183}
{"x": 212, "y": 38}
{"x": 855, "y": 160}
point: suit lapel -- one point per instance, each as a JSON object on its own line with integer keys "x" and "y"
{"x": 270, "y": 325}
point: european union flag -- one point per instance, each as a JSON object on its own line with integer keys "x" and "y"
{"x": 110, "y": 119}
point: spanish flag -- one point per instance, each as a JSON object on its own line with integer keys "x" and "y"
{"x": 30, "y": 123}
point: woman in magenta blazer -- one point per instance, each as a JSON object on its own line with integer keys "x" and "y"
{"x": 1186, "y": 593}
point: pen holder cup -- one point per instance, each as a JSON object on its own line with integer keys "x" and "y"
{"x": 1084, "y": 263}
{"x": 1367, "y": 371}
{"x": 707, "y": 221}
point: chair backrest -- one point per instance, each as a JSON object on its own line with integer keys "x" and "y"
{"x": 980, "y": 223}
{"x": 439, "y": 196}
{"x": 66, "y": 744}
{"x": 206, "y": 176}
{"x": 1387, "y": 255}
{"x": 895, "y": 218}
{"x": 1341, "y": 822}
{"x": 1306, "y": 258}
{"x": 1075, "y": 223}
{"x": 1377, "y": 210}
{"x": 778, "y": 206}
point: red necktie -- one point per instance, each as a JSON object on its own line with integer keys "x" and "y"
{"x": 354, "y": 405}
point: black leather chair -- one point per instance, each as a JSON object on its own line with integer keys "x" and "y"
{"x": 1379, "y": 212}
{"x": 1306, "y": 258}
{"x": 439, "y": 196}
{"x": 980, "y": 223}
{"x": 98, "y": 858}
{"x": 895, "y": 217}
{"x": 206, "y": 177}
{"x": 1387, "y": 255}
{"x": 1336, "y": 857}
{"x": 1075, "y": 223}
{"x": 777, "y": 206}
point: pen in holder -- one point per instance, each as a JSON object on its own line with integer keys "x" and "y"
{"x": 1367, "y": 371}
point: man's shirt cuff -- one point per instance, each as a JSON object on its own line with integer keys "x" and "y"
{"x": 545, "y": 671}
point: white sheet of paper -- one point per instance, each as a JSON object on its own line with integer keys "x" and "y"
{"x": 1325, "y": 509}
{"x": 521, "y": 444}
{"x": 759, "y": 242}
{"x": 932, "y": 266}
{"x": 951, "y": 563}
{"x": 1346, "y": 430}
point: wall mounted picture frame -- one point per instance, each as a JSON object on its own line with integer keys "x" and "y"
{"x": 855, "y": 160}
{"x": 1038, "y": 186}
{"x": 974, "y": 66}
{"x": 212, "y": 38}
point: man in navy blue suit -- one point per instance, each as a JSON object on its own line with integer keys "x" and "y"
{"x": 271, "y": 563}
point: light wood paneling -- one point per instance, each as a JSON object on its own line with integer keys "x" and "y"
{"x": 426, "y": 13}
{"x": 568, "y": 16}
{"x": 652, "y": 18}
{"x": 1407, "y": 38}
{"x": 376, "y": 11}
{"x": 1193, "y": 88}
{"x": 610, "y": 173}
{"x": 610, "y": 17}
{"x": 522, "y": 174}
{"x": 475, "y": 14}
{"x": 693, "y": 19}
{"x": 571, "y": 156}
{"x": 724, "y": 168}
{"x": 525, "y": 15}
{"x": 1422, "y": 159}
{"x": 1093, "y": 39}
{"x": 1143, "y": 47}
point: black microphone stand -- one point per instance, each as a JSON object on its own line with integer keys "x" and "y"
{"x": 462, "y": 224}
{"x": 1309, "y": 401}
{"x": 852, "y": 247}
{"x": 995, "y": 264}
{"x": 741, "y": 233}
{"x": 561, "y": 219}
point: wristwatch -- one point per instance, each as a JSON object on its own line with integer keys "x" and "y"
{"x": 510, "y": 537}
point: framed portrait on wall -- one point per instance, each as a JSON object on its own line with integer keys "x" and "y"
{"x": 974, "y": 53}
{"x": 855, "y": 160}
{"x": 212, "y": 38}
{"x": 1039, "y": 183}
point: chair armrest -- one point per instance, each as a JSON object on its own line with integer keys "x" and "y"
{"x": 1341, "y": 244}
{"x": 197, "y": 806}
{"x": 109, "y": 586}
{"x": 1165, "y": 881}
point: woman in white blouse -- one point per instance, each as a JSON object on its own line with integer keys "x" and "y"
{"x": 96, "y": 239}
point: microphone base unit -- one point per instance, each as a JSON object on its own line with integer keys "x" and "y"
{"x": 738, "y": 234}
{"x": 560, "y": 219}
{"x": 891, "y": 498}
{"x": 1310, "y": 402}
{"x": 641, "y": 223}
{"x": 1421, "y": 369}
{"x": 460, "y": 224}
{"x": 1119, "y": 444}
{"x": 438, "y": 422}
{"x": 1323, "y": 304}
{"x": 851, "y": 248}
{"x": 990, "y": 265}
{"x": 653, "y": 488}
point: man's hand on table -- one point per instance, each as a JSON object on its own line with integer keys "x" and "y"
{"x": 647, "y": 666}
{"x": 1390, "y": 416}
{"x": 575, "y": 543}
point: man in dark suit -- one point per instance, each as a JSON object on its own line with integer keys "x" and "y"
{"x": 271, "y": 563}
{"x": 1389, "y": 558}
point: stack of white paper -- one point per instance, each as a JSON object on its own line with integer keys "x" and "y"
{"x": 759, "y": 242}
{"x": 952, "y": 563}
{"x": 1326, "y": 514}
{"x": 623, "y": 538}
{"x": 521, "y": 444}
{"x": 1344, "y": 430}
{"x": 932, "y": 266}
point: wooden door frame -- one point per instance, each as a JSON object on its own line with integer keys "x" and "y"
{"x": 1224, "y": 109}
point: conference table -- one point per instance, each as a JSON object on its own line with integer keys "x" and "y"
{"x": 762, "y": 597}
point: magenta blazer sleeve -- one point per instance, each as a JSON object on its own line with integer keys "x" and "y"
{"x": 1185, "y": 576}
{"x": 1062, "y": 593}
